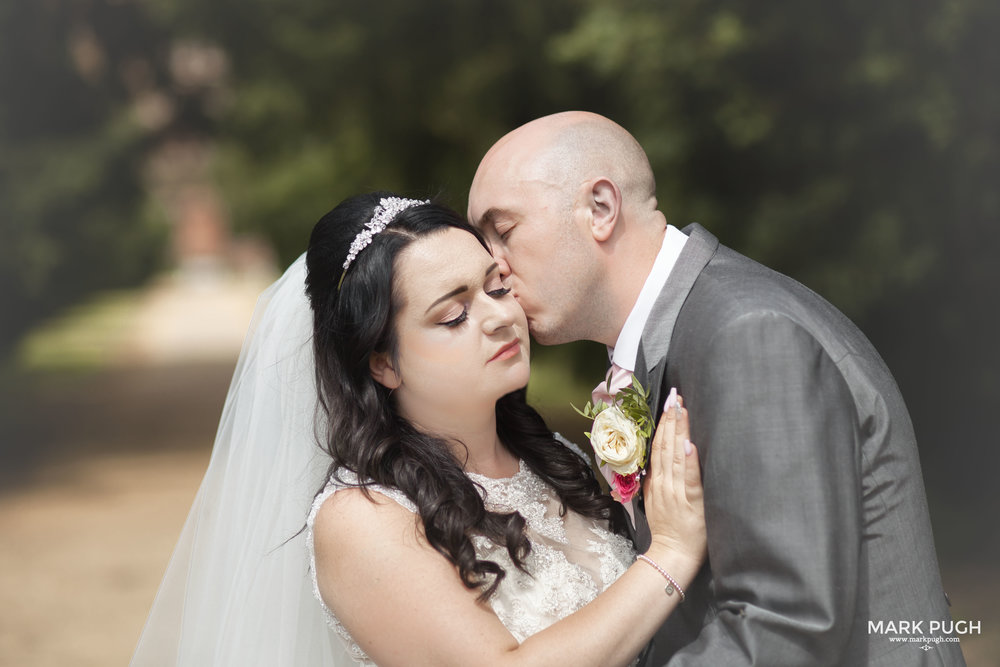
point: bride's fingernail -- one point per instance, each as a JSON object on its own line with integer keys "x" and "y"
{"x": 688, "y": 448}
{"x": 671, "y": 399}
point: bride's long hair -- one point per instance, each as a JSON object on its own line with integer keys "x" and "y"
{"x": 367, "y": 435}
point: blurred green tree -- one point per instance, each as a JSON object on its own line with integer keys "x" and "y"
{"x": 73, "y": 215}
{"x": 330, "y": 99}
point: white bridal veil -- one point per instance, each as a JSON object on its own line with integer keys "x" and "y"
{"x": 237, "y": 590}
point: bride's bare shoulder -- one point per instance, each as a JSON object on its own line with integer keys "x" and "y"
{"x": 399, "y": 598}
{"x": 353, "y": 520}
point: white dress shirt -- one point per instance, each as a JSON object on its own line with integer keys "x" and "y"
{"x": 627, "y": 346}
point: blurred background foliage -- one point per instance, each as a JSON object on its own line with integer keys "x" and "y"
{"x": 852, "y": 145}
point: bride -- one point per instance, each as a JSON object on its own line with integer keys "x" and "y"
{"x": 451, "y": 527}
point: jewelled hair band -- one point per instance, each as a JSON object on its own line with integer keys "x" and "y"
{"x": 388, "y": 208}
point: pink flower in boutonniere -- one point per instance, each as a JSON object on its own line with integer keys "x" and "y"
{"x": 623, "y": 487}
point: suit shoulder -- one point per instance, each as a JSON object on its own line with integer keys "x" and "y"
{"x": 733, "y": 285}
{"x": 734, "y": 290}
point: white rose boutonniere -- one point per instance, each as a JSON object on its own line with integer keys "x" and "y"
{"x": 619, "y": 436}
{"x": 617, "y": 441}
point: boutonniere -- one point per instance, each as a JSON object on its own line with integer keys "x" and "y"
{"x": 619, "y": 436}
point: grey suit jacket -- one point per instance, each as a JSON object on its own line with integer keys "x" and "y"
{"x": 817, "y": 519}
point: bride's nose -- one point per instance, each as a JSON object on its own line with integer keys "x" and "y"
{"x": 503, "y": 266}
{"x": 501, "y": 314}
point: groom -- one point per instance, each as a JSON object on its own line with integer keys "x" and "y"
{"x": 817, "y": 521}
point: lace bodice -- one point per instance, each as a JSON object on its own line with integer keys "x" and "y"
{"x": 572, "y": 559}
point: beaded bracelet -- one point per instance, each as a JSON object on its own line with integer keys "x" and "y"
{"x": 672, "y": 585}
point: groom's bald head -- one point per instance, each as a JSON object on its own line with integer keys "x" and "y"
{"x": 563, "y": 151}
{"x": 568, "y": 203}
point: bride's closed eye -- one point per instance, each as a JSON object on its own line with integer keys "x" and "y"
{"x": 457, "y": 320}
{"x": 496, "y": 286}
{"x": 497, "y": 293}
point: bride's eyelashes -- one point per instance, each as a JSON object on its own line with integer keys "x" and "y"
{"x": 458, "y": 320}
{"x": 497, "y": 287}
{"x": 464, "y": 315}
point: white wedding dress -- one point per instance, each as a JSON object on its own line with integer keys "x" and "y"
{"x": 572, "y": 559}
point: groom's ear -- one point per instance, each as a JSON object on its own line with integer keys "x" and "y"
{"x": 383, "y": 371}
{"x": 604, "y": 199}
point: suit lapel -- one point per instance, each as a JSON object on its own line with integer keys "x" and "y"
{"x": 651, "y": 359}
{"x": 655, "y": 342}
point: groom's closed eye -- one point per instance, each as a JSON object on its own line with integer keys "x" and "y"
{"x": 502, "y": 227}
{"x": 499, "y": 220}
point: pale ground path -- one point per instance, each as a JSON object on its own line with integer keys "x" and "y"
{"x": 198, "y": 316}
{"x": 86, "y": 536}
{"x": 83, "y": 553}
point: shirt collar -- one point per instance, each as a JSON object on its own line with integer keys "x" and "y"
{"x": 627, "y": 346}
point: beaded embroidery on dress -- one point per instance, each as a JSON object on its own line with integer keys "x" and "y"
{"x": 572, "y": 559}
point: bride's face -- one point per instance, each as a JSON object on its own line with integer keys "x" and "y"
{"x": 463, "y": 339}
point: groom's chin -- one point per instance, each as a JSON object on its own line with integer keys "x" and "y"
{"x": 539, "y": 334}
{"x": 545, "y": 336}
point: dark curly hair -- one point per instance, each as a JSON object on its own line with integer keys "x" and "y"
{"x": 356, "y": 320}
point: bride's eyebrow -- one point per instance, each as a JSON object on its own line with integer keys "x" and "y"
{"x": 458, "y": 290}
{"x": 454, "y": 292}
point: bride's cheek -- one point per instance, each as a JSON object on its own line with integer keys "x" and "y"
{"x": 436, "y": 349}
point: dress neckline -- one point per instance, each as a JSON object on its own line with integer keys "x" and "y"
{"x": 522, "y": 469}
